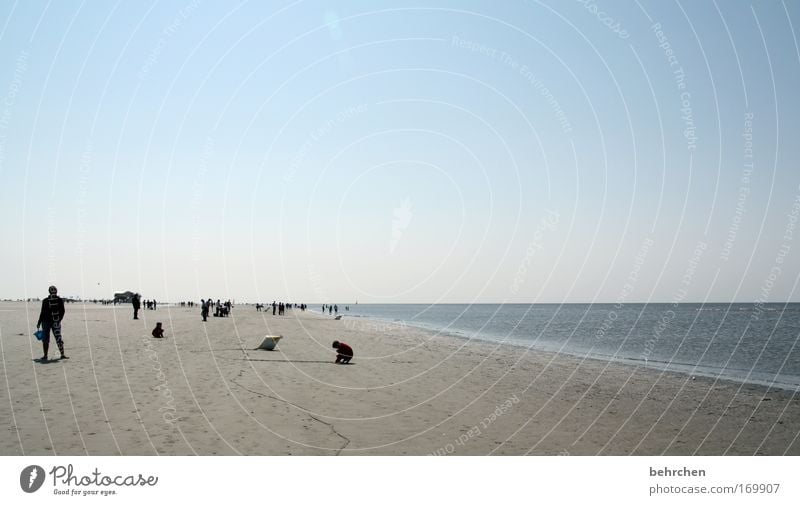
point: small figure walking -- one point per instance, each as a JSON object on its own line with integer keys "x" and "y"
{"x": 344, "y": 352}
{"x": 50, "y": 318}
{"x": 158, "y": 331}
{"x": 204, "y": 309}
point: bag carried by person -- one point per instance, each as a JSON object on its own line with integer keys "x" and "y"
{"x": 39, "y": 334}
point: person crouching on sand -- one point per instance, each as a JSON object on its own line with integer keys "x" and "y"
{"x": 344, "y": 352}
{"x": 158, "y": 331}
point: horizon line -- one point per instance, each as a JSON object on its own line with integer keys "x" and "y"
{"x": 310, "y": 304}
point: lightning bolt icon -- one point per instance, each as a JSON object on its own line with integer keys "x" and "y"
{"x": 34, "y": 474}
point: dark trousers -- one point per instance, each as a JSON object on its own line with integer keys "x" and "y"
{"x": 56, "y": 329}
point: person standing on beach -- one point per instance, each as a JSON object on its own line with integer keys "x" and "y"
{"x": 204, "y": 310}
{"x": 136, "y": 304}
{"x": 50, "y": 318}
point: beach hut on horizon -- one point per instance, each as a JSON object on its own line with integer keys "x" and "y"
{"x": 123, "y": 296}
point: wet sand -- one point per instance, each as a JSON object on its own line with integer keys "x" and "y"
{"x": 205, "y": 390}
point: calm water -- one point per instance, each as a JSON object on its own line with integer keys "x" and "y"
{"x": 733, "y": 341}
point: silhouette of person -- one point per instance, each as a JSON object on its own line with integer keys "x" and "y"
{"x": 50, "y": 318}
{"x": 158, "y": 331}
{"x": 204, "y": 309}
{"x": 136, "y": 304}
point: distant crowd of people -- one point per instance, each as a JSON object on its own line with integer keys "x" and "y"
{"x": 332, "y": 309}
{"x": 221, "y": 309}
{"x": 280, "y": 308}
{"x": 136, "y": 301}
{"x": 148, "y": 304}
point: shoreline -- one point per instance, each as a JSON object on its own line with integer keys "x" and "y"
{"x": 409, "y": 391}
{"x": 682, "y": 368}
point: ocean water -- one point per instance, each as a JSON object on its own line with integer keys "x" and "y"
{"x": 741, "y": 342}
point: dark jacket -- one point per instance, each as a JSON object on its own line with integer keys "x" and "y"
{"x": 52, "y": 310}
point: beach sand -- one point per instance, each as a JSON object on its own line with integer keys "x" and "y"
{"x": 205, "y": 390}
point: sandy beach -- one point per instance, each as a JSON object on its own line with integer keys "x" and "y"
{"x": 205, "y": 390}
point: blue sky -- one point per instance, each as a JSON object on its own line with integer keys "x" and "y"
{"x": 517, "y": 151}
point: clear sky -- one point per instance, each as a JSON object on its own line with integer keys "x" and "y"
{"x": 448, "y": 151}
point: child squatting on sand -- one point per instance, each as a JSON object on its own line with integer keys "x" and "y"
{"x": 158, "y": 331}
{"x": 344, "y": 352}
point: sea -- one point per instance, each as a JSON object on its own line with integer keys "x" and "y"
{"x": 747, "y": 343}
